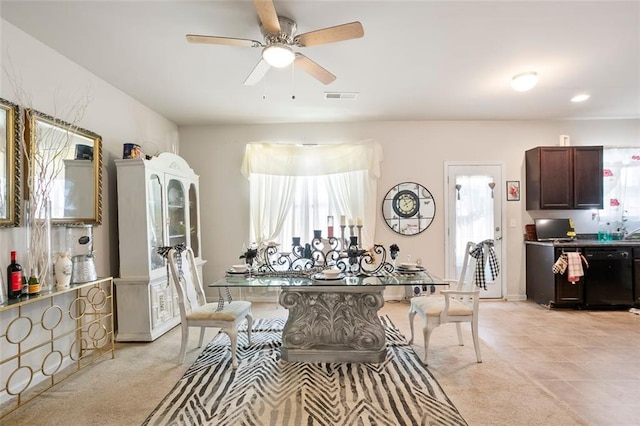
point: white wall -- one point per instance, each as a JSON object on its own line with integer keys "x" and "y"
{"x": 55, "y": 83}
{"x": 413, "y": 151}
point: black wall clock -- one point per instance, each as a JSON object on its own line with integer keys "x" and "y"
{"x": 408, "y": 208}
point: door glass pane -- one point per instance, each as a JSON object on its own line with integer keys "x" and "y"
{"x": 193, "y": 220}
{"x": 156, "y": 230}
{"x": 474, "y": 213}
{"x": 176, "y": 212}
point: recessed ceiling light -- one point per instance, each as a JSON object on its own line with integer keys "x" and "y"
{"x": 580, "y": 98}
{"x": 525, "y": 81}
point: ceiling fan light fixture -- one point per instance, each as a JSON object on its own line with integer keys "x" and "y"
{"x": 525, "y": 81}
{"x": 278, "y": 55}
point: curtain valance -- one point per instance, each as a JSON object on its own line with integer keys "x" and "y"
{"x": 311, "y": 160}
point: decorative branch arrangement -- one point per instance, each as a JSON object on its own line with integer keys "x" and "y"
{"x": 44, "y": 148}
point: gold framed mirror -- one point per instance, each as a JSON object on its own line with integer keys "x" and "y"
{"x": 10, "y": 161}
{"x": 66, "y": 167}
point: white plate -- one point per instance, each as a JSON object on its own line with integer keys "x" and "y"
{"x": 232, "y": 272}
{"x": 321, "y": 277}
{"x": 416, "y": 269}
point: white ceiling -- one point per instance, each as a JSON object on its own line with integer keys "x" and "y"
{"x": 418, "y": 60}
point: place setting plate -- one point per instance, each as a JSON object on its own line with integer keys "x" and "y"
{"x": 232, "y": 272}
{"x": 410, "y": 270}
{"x": 322, "y": 277}
{"x": 238, "y": 270}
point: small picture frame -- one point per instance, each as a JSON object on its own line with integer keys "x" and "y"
{"x": 513, "y": 190}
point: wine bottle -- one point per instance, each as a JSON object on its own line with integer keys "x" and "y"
{"x": 14, "y": 278}
{"x": 34, "y": 284}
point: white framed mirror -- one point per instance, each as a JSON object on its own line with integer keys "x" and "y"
{"x": 66, "y": 164}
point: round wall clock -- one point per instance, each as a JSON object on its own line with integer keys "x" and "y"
{"x": 408, "y": 208}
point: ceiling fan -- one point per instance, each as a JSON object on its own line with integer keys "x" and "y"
{"x": 279, "y": 37}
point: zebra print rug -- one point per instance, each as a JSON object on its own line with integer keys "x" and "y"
{"x": 267, "y": 391}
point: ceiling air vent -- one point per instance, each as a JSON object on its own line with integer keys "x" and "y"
{"x": 340, "y": 95}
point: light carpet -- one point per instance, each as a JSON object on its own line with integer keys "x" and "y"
{"x": 265, "y": 390}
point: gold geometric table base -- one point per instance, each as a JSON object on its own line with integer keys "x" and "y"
{"x": 47, "y": 338}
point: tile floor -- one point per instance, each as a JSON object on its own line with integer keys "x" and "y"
{"x": 588, "y": 359}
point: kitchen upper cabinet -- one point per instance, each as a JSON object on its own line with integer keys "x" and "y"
{"x": 564, "y": 177}
{"x": 158, "y": 205}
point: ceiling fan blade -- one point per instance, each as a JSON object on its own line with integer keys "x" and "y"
{"x": 228, "y": 41}
{"x": 330, "y": 35}
{"x": 268, "y": 15}
{"x": 257, "y": 73}
{"x": 313, "y": 69}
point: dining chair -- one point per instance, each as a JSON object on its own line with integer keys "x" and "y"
{"x": 452, "y": 306}
{"x": 196, "y": 312}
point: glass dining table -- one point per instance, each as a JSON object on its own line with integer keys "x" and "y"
{"x": 331, "y": 319}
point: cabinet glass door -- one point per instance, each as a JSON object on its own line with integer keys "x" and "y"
{"x": 193, "y": 220}
{"x": 156, "y": 228}
{"x": 176, "y": 212}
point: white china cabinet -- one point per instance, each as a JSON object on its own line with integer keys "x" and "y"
{"x": 158, "y": 205}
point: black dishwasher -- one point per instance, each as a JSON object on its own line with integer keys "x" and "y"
{"x": 609, "y": 278}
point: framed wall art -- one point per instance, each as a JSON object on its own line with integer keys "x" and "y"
{"x": 513, "y": 190}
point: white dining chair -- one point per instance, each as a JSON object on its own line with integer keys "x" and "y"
{"x": 452, "y": 306}
{"x": 196, "y": 312}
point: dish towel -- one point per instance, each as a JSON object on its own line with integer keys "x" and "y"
{"x": 561, "y": 265}
{"x": 574, "y": 267}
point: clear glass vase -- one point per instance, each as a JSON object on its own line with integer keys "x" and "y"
{"x": 38, "y": 238}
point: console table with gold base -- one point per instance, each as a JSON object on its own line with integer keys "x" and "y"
{"x": 47, "y": 338}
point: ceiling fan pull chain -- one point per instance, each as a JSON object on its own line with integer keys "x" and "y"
{"x": 293, "y": 83}
{"x": 264, "y": 87}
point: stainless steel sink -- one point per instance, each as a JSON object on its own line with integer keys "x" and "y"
{"x": 633, "y": 235}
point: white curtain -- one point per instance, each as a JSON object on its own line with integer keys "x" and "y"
{"x": 270, "y": 201}
{"x": 293, "y": 188}
{"x": 474, "y": 212}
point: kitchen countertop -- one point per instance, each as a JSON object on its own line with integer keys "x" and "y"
{"x": 588, "y": 243}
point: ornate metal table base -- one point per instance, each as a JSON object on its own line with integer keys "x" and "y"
{"x": 333, "y": 324}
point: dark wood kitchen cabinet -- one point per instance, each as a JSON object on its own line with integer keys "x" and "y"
{"x": 560, "y": 177}
{"x": 543, "y": 286}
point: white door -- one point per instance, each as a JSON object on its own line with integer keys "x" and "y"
{"x": 473, "y": 203}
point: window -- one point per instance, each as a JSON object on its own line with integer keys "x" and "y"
{"x": 294, "y": 188}
{"x": 621, "y": 186}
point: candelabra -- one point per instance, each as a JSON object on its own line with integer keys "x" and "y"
{"x": 306, "y": 259}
